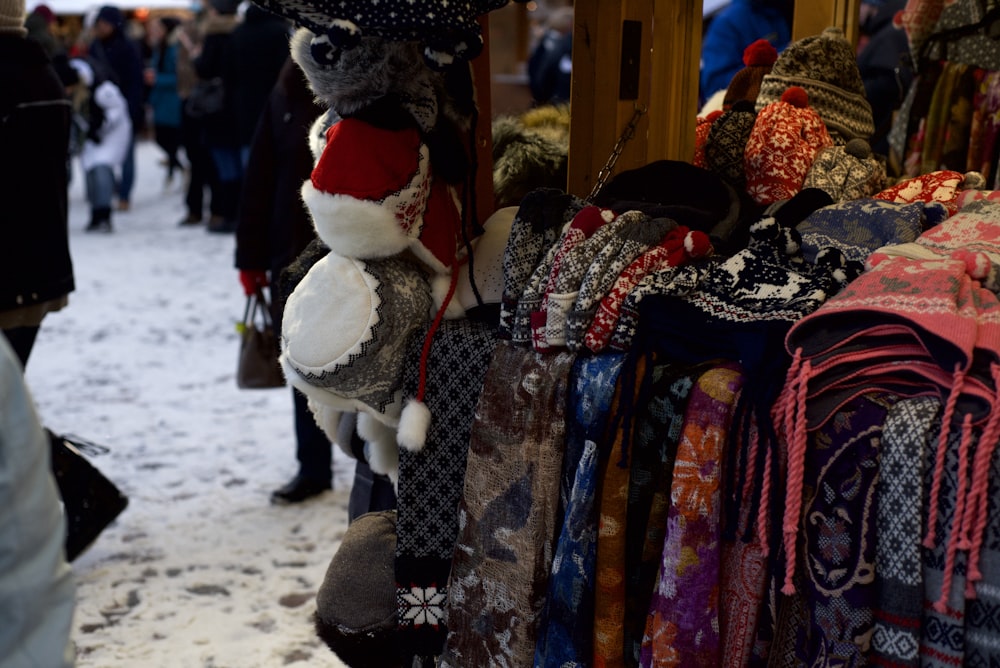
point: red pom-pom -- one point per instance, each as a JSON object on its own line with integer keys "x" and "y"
{"x": 796, "y": 96}
{"x": 697, "y": 244}
{"x": 760, "y": 54}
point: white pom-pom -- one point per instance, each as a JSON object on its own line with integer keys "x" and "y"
{"x": 414, "y": 422}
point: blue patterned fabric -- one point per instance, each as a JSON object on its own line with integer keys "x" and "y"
{"x": 565, "y": 633}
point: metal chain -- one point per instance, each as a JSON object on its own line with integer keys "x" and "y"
{"x": 616, "y": 152}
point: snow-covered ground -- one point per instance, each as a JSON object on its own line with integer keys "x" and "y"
{"x": 200, "y": 570}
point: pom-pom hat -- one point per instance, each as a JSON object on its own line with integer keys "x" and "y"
{"x": 758, "y": 58}
{"x": 847, "y": 172}
{"x": 825, "y": 66}
{"x": 784, "y": 142}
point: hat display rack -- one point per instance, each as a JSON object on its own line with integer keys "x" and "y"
{"x": 736, "y": 413}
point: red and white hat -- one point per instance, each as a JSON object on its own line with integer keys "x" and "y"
{"x": 372, "y": 194}
{"x": 783, "y": 144}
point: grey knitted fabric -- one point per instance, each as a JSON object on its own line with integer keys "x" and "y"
{"x": 727, "y": 141}
{"x": 825, "y": 66}
{"x": 846, "y": 172}
{"x": 638, "y": 234}
{"x": 537, "y": 225}
{"x": 531, "y": 297}
{"x": 899, "y": 581}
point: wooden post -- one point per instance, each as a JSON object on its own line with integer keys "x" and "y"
{"x": 812, "y": 16}
{"x": 483, "y": 148}
{"x": 659, "y": 42}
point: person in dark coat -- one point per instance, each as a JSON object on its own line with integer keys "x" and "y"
{"x": 219, "y": 130}
{"x": 113, "y": 49}
{"x": 885, "y": 69}
{"x": 273, "y": 228}
{"x": 256, "y": 53}
{"x": 36, "y": 272}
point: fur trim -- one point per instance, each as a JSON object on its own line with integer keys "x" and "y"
{"x": 354, "y": 227}
{"x": 414, "y": 422}
{"x": 382, "y": 449}
{"x": 317, "y": 132}
{"x": 328, "y": 419}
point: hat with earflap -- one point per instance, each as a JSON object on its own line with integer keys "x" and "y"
{"x": 784, "y": 142}
{"x": 356, "y": 603}
{"x": 344, "y": 332}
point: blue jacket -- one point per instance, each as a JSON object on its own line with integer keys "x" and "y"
{"x": 163, "y": 97}
{"x": 733, "y": 30}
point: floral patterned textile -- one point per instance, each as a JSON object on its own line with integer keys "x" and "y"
{"x": 683, "y": 624}
{"x": 508, "y": 512}
{"x": 564, "y": 636}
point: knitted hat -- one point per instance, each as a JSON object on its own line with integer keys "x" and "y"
{"x": 637, "y": 234}
{"x": 847, "y": 172}
{"x": 113, "y": 15}
{"x": 860, "y": 227}
{"x": 826, "y": 67}
{"x": 971, "y": 236}
{"x": 758, "y": 59}
{"x": 679, "y": 246}
{"x": 372, "y": 194}
{"x": 449, "y": 31}
{"x": 356, "y": 604}
{"x": 701, "y": 130}
{"x": 12, "y": 17}
{"x": 941, "y": 186}
{"x": 538, "y": 224}
{"x": 785, "y": 139}
{"x": 345, "y": 328}
{"x": 727, "y": 143}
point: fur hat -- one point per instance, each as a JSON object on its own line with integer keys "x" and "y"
{"x": 528, "y": 156}
{"x": 758, "y": 59}
{"x": 847, "y": 172}
{"x": 345, "y": 328}
{"x": 356, "y": 604}
{"x": 785, "y": 139}
{"x": 12, "y": 17}
{"x": 372, "y": 194}
{"x": 825, "y": 66}
{"x": 447, "y": 32}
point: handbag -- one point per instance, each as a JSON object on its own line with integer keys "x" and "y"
{"x": 90, "y": 501}
{"x": 258, "y": 366}
{"x": 206, "y": 99}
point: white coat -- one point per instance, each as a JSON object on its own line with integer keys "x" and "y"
{"x": 36, "y": 584}
{"x": 115, "y": 132}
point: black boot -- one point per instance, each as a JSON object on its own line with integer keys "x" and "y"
{"x": 100, "y": 219}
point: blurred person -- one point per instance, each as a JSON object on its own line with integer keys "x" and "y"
{"x": 201, "y": 169}
{"x": 36, "y": 272}
{"x": 550, "y": 66}
{"x": 732, "y": 30}
{"x": 108, "y": 134}
{"x": 116, "y": 52}
{"x": 256, "y": 54}
{"x": 220, "y": 131}
{"x": 273, "y": 228}
{"x": 36, "y": 586}
{"x": 39, "y": 25}
{"x": 161, "y": 77}
{"x": 884, "y": 64}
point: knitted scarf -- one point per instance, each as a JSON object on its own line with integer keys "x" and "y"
{"x": 564, "y": 635}
{"x": 430, "y": 481}
{"x": 508, "y": 510}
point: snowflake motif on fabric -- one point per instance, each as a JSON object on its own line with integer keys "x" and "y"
{"x": 426, "y": 605}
